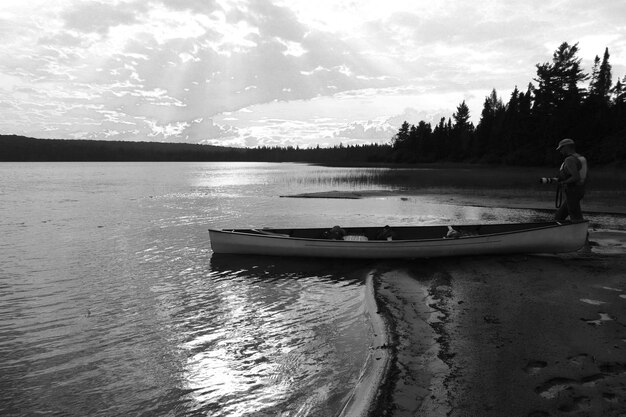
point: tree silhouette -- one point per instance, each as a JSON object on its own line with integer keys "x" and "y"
{"x": 526, "y": 129}
{"x": 558, "y": 80}
{"x": 461, "y": 117}
{"x": 462, "y": 130}
{"x": 601, "y": 79}
{"x": 401, "y": 139}
{"x": 618, "y": 92}
{"x": 489, "y": 138}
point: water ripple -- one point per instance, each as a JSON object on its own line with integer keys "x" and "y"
{"x": 111, "y": 302}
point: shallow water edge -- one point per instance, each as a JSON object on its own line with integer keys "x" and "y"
{"x": 365, "y": 397}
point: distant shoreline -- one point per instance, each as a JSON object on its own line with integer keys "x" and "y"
{"x": 15, "y": 148}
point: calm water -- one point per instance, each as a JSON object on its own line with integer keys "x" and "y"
{"x": 112, "y": 304}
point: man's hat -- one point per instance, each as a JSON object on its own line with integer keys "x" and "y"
{"x": 565, "y": 142}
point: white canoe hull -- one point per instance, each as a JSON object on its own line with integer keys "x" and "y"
{"x": 537, "y": 238}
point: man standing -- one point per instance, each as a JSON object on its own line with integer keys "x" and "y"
{"x": 572, "y": 176}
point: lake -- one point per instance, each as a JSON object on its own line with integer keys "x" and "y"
{"x": 112, "y": 304}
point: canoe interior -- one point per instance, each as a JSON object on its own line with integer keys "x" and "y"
{"x": 401, "y": 232}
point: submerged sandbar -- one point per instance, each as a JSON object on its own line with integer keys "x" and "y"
{"x": 471, "y": 197}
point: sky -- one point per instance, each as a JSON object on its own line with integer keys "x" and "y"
{"x": 277, "y": 72}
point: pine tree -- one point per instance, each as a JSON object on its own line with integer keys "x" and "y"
{"x": 525, "y": 101}
{"x": 461, "y": 117}
{"x": 605, "y": 77}
{"x": 595, "y": 72}
{"x": 488, "y": 135}
{"x": 511, "y": 125}
{"x": 402, "y": 137}
{"x": 441, "y": 139}
{"x": 558, "y": 80}
{"x": 461, "y": 133}
{"x": 423, "y": 134}
{"x": 557, "y": 106}
{"x": 601, "y": 79}
{"x": 618, "y": 92}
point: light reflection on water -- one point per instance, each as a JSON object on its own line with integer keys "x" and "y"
{"x": 274, "y": 179}
{"x": 277, "y": 335}
{"x": 111, "y": 302}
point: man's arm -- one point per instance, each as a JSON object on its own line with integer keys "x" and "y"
{"x": 572, "y": 169}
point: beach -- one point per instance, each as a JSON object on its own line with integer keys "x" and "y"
{"x": 508, "y": 335}
{"x": 515, "y": 335}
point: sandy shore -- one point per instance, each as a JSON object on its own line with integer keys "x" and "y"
{"x": 528, "y": 336}
{"x": 366, "y": 397}
{"x": 508, "y": 335}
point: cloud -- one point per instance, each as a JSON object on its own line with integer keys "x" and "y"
{"x": 368, "y": 131}
{"x": 275, "y": 21}
{"x": 325, "y": 131}
{"x": 63, "y": 39}
{"x": 381, "y": 131}
{"x": 205, "y": 129}
{"x": 414, "y": 116}
{"x": 196, "y": 6}
{"x": 304, "y": 72}
{"x": 99, "y": 17}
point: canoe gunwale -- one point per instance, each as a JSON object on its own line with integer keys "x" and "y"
{"x": 264, "y": 234}
{"x": 540, "y": 237}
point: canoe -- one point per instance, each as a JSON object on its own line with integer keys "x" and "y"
{"x": 405, "y": 242}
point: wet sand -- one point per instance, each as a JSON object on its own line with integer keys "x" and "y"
{"x": 508, "y": 335}
{"x": 518, "y": 335}
{"x": 366, "y": 396}
{"x": 476, "y": 198}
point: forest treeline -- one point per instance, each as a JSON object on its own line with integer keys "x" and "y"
{"x": 524, "y": 130}
{"x": 24, "y": 149}
{"x": 20, "y": 148}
